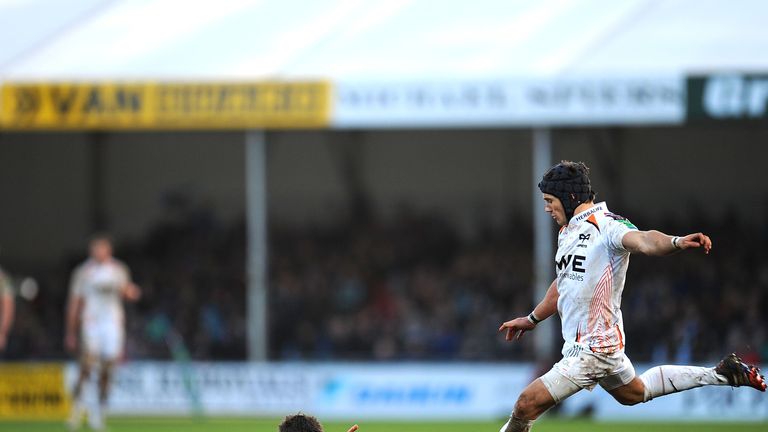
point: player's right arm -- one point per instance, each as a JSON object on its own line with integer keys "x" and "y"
{"x": 657, "y": 243}
{"x": 129, "y": 291}
{"x": 546, "y": 308}
{"x": 74, "y": 309}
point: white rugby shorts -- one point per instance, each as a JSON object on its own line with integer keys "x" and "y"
{"x": 585, "y": 370}
{"x": 103, "y": 340}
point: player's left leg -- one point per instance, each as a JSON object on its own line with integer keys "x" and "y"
{"x": 629, "y": 394}
{"x": 664, "y": 380}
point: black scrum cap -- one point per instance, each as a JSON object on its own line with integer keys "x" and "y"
{"x": 568, "y": 181}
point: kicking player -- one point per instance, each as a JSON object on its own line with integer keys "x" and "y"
{"x": 303, "y": 423}
{"x": 97, "y": 290}
{"x": 7, "y": 308}
{"x": 592, "y": 259}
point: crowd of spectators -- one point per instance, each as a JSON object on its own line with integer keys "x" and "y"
{"x": 411, "y": 288}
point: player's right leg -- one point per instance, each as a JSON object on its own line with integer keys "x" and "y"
{"x": 105, "y": 379}
{"x": 531, "y": 403}
{"x": 85, "y": 366}
{"x": 540, "y": 395}
{"x": 77, "y": 412}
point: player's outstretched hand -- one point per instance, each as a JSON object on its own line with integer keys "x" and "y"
{"x": 353, "y": 428}
{"x": 695, "y": 241}
{"x": 516, "y": 327}
{"x": 132, "y": 292}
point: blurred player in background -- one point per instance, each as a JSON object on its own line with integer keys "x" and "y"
{"x": 95, "y": 313}
{"x": 592, "y": 260}
{"x": 303, "y": 423}
{"x": 7, "y": 307}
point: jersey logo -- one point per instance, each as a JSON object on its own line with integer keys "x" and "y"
{"x": 621, "y": 220}
{"x": 576, "y": 262}
{"x": 593, "y": 221}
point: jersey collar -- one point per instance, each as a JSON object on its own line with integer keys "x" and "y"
{"x": 92, "y": 262}
{"x": 578, "y": 217}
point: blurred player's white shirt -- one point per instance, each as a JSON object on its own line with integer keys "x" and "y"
{"x": 591, "y": 265}
{"x": 100, "y": 286}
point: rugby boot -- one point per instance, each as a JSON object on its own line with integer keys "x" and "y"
{"x": 739, "y": 373}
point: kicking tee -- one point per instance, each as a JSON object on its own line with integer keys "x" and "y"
{"x": 100, "y": 285}
{"x": 591, "y": 265}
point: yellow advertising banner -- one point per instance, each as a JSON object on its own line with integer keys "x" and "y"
{"x": 171, "y": 106}
{"x": 33, "y": 391}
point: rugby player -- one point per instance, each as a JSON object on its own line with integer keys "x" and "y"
{"x": 97, "y": 290}
{"x": 592, "y": 259}
{"x": 303, "y": 423}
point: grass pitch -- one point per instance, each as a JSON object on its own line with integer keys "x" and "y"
{"x": 270, "y": 425}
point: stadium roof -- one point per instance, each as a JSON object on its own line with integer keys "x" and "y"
{"x": 373, "y": 39}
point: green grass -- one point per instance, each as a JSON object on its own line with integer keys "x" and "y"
{"x": 270, "y": 425}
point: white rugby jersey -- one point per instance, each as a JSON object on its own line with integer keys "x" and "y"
{"x": 100, "y": 286}
{"x": 591, "y": 265}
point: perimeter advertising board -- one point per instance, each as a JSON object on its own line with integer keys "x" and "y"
{"x": 402, "y": 391}
{"x": 169, "y": 106}
{"x": 331, "y": 391}
{"x": 728, "y": 96}
{"x": 499, "y": 103}
{"x": 422, "y": 391}
{"x": 343, "y": 105}
{"x": 32, "y": 391}
{"x": 664, "y": 100}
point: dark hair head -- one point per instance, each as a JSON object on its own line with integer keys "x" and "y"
{"x": 300, "y": 423}
{"x": 569, "y": 182}
{"x": 100, "y": 237}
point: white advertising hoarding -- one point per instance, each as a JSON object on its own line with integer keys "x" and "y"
{"x": 422, "y": 391}
{"x": 392, "y": 391}
{"x": 468, "y": 391}
{"x": 166, "y": 388}
{"x": 509, "y": 102}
